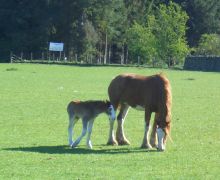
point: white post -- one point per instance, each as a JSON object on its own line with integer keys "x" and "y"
{"x": 60, "y": 55}
{"x": 11, "y": 60}
{"x": 21, "y": 55}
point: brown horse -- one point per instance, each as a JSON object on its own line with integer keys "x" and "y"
{"x": 148, "y": 93}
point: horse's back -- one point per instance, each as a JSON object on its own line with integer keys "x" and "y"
{"x": 139, "y": 90}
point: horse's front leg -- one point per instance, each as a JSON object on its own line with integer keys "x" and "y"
{"x": 85, "y": 122}
{"x": 89, "y": 129}
{"x": 153, "y": 137}
{"x": 160, "y": 133}
{"x": 120, "y": 137}
{"x": 146, "y": 143}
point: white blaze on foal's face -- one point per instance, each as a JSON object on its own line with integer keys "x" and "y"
{"x": 111, "y": 113}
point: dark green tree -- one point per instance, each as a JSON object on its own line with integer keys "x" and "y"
{"x": 23, "y": 27}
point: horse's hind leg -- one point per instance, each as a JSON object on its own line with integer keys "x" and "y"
{"x": 146, "y": 143}
{"x": 120, "y": 137}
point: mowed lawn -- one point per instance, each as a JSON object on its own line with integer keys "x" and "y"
{"x": 33, "y": 126}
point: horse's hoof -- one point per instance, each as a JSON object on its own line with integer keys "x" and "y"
{"x": 73, "y": 145}
{"x": 112, "y": 143}
{"x": 123, "y": 142}
{"x": 160, "y": 150}
{"x": 146, "y": 146}
{"x": 153, "y": 145}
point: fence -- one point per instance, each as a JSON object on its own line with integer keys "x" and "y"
{"x": 59, "y": 57}
{"x": 202, "y": 63}
{"x": 44, "y": 56}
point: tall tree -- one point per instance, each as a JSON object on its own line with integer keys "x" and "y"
{"x": 142, "y": 42}
{"x": 171, "y": 31}
{"x": 108, "y": 18}
{"x": 163, "y": 37}
{"x": 23, "y": 26}
{"x": 204, "y": 18}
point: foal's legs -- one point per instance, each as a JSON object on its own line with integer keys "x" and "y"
{"x": 111, "y": 138}
{"x": 89, "y": 129}
{"x": 146, "y": 143}
{"x": 120, "y": 137}
{"x": 84, "y": 122}
{"x": 72, "y": 122}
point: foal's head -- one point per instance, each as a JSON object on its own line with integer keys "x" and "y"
{"x": 110, "y": 111}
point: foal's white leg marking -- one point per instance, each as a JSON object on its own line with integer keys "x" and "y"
{"x": 84, "y": 121}
{"x": 72, "y": 122}
{"x": 89, "y": 129}
{"x": 70, "y": 130}
{"x": 160, "y": 135}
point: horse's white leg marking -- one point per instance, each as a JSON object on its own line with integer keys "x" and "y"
{"x": 153, "y": 138}
{"x": 85, "y": 122}
{"x": 160, "y": 135}
{"x": 111, "y": 138}
{"x": 89, "y": 129}
{"x": 146, "y": 143}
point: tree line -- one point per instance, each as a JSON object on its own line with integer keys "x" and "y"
{"x": 116, "y": 31}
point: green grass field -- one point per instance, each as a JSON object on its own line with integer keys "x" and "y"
{"x": 33, "y": 126}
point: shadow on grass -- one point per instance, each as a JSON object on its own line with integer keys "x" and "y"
{"x": 79, "y": 150}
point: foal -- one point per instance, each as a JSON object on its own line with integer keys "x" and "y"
{"x": 87, "y": 111}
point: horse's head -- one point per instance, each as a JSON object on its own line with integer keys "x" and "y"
{"x": 110, "y": 111}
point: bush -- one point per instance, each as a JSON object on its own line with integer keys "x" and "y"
{"x": 209, "y": 44}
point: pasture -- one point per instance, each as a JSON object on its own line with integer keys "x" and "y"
{"x": 33, "y": 126}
